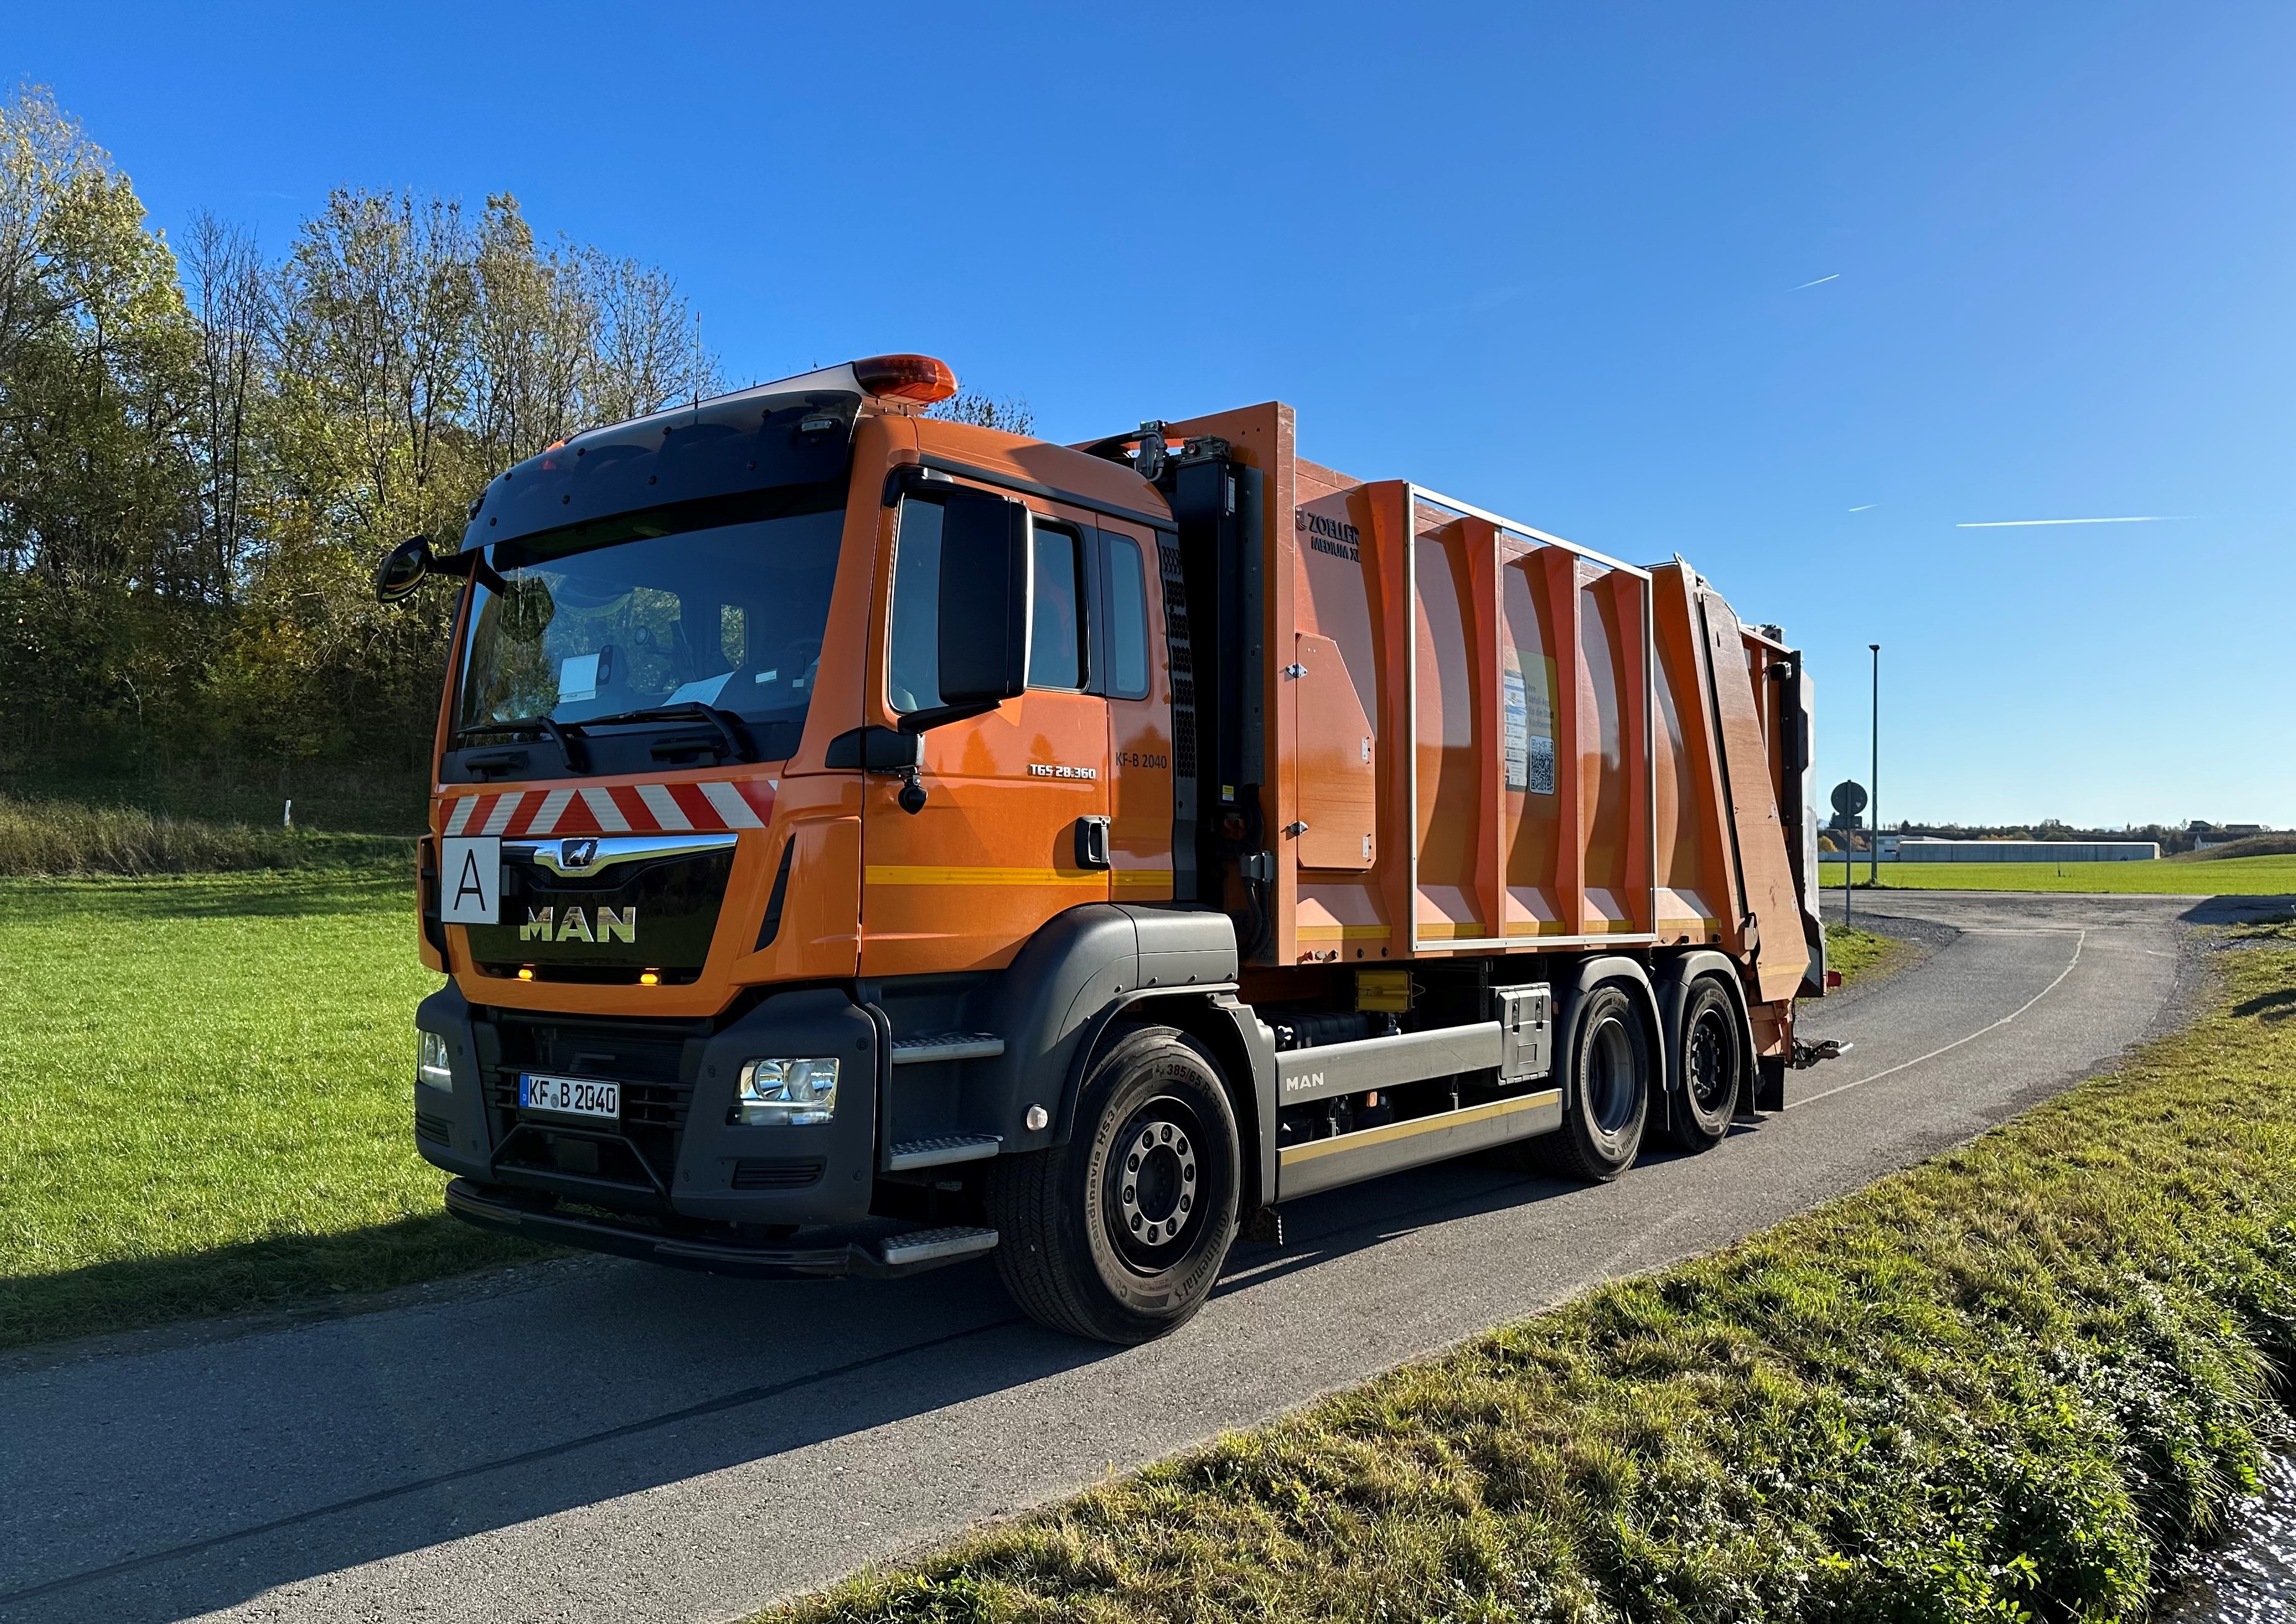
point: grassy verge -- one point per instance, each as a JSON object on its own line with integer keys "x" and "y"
{"x": 1862, "y": 955}
{"x": 2005, "y": 1384}
{"x": 206, "y": 1087}
{"x": 63, "y": 837}
{"x": 2264, "y": 876}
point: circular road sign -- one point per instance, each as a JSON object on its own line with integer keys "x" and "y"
{"x": 1850, "y": 798}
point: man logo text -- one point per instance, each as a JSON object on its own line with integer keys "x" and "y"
{"x": 613, "y": 925}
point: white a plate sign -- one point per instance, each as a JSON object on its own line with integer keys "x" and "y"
{"x": 470, "y": 879}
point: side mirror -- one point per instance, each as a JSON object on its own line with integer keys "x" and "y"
{"x": 403, "y": 568}
{"x": 984, "y": 601}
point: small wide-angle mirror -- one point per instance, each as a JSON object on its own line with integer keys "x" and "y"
{"x": 402, "y": 568}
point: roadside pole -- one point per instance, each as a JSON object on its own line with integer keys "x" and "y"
{"x": 1874, "y": 780}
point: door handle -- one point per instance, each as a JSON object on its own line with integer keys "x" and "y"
{"x": 1092, "y": 842}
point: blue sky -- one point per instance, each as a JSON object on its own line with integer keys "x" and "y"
{"x": 1548, "y": 259}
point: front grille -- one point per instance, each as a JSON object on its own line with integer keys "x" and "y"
{"x": 653, "y": 1062}
{"x": 776, "y": 1173}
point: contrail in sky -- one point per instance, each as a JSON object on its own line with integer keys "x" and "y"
{"x": 2010, "y": 524}
{"x": 1836, "y": 277}
{"x": 1868, "y": 508}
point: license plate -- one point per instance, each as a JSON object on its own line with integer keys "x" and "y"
{"x": 572, "y": 1096}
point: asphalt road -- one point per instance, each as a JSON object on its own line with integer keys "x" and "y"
{"x": 605, "y": 1440}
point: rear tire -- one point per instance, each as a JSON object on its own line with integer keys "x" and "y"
{"x": 1120, "y": 1234}
{"x": 1713, "y": 1055}
{"x": 1607, "y": 1087}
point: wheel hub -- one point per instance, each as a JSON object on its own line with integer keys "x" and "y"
{"x": 1704, "y": 1061}
{"x": 1158, "y": 1196}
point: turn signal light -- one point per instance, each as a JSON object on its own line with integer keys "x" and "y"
{"x": 647, "y": 978}
{"x": 918, "y": 378}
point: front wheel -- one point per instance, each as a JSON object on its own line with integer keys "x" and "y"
{"x": 1119, "y": 1234}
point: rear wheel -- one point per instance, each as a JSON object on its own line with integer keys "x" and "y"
{"x": 1713, "y": 1067}
{"x": 1607, "y": 1096}
{"x": 1119, "y": 1234}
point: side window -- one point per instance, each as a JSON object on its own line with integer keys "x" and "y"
{"x": 912, "y": 664}
{"x": 1126, "y": 634}
{"x": 1056, "y": 626}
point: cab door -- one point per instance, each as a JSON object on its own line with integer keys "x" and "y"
{"x": 1014, "y": 824}
{"x": 1134, "y": 673}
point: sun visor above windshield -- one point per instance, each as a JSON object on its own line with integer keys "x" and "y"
{"x": 735, "y": 443}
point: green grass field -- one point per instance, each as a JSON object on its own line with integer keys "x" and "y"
{"x": 207, "y": 1085}
{"x": 2271, "y": 876}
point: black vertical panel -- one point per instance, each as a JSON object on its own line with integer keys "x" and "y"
{"x": 1180, "y": 652}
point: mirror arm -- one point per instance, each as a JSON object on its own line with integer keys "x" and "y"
{"x": 941, "y": 716}
{"x": 469, "y": 562}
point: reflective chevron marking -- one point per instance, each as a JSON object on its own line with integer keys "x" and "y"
{"x": 608, "y": 814}
{"x": 677, "y": 808}
{"x": 664, "y": 806}
{"x": 728, "y": 803}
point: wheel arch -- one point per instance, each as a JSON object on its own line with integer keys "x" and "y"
{"x": 1243, "y": 1058}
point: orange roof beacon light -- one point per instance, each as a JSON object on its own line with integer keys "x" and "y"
{"x": 918, "y": 378}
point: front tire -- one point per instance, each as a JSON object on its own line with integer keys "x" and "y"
{"x": 1120, "y": 1234}
{"x": 1608, "y": 1098}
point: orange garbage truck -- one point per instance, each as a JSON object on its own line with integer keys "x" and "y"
{"x": 861, "y": 841}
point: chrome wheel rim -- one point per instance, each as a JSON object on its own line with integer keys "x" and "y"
{"x": 1154, "y": 1183}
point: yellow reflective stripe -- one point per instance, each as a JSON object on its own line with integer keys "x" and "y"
{"x": 899, "y": 874}
{"x": 1345, "y": 934}
{"x": 1292, "y": 1155}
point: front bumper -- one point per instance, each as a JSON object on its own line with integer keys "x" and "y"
{"x": 884, "y": 1253}
{"x": 673, "y": 1156}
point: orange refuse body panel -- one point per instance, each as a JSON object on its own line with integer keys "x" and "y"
{"x": 863, "y": 842}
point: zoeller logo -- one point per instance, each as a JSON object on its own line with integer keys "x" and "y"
{"x": 613, "y": 925}
{"x": 1335, "y": 537}
{"x": 576, "y": 854}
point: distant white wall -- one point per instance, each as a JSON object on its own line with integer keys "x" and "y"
{"x": 1911, "y": 850}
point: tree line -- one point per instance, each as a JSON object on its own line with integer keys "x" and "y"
{"x": 203, "y": 449}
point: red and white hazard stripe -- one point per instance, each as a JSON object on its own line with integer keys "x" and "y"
{"x": 631, "y": 808}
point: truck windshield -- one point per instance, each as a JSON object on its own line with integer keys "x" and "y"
{"x": 634, "y": 613}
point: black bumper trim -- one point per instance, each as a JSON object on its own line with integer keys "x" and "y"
{"x": 889, "y": 1259}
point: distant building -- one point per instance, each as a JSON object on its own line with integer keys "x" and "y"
{"x": 1921, "y": 848}
{"x": 2206, "y": 834}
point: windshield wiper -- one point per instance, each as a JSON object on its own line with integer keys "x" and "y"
{"x": 728, "y": 725}
{"x": 570, "y": 747}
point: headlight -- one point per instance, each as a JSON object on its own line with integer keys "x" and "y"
{"x": 432, "y": 1065}
{"x": 786, "y": 1092}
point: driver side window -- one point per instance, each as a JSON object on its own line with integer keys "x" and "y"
{"x": 1056, "y": 622}
{"x": 913, "y": 642}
